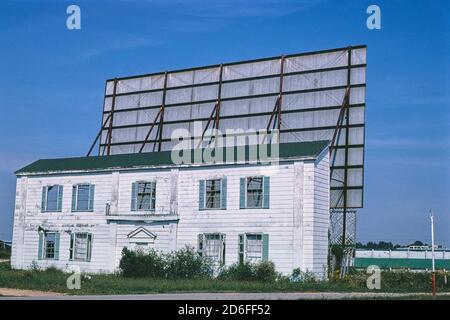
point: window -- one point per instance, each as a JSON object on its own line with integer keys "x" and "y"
{"x": 48, "y": 245}
{"x": 254, "y": 192}
{"x": 213, "y": 194}
{"x": 143, "y": 196}
{"x": 52, "y": 198}
{"x": 212, "y": 245}
{"x": 80, "y": 246}
{"x": 83, "y": 197}
{"x": 253, "y": 247}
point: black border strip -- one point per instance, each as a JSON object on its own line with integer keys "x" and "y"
{"x": 294, "y": 55}
{"x": 264, "y": 95}
{"x": 238, "y": 116}
{"x": 281, "y": 131}
{"x": 205, "y": 84}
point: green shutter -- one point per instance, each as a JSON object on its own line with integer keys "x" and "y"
{"x": 265, "y": 245}
{"x": 60, "y": 197}
{"x": 133, "y": 196}
{"x": 200, "y": 244}
{"x": 89, "y": 252}
{"x": 44, "y": 199}
{"x": 223, "y": 193}
{"x": 74, "y": 198}
{"x": 91, "y": 197}
{"x": 201, "y": 195}
{"x": 242, "y": 193}
{"x": 41, "y": 241}
{"x": 266, "y": 192}
{"x": 72, "y": 246}
{"x": 57, "y": 246}
{"x": 241, "y": 248}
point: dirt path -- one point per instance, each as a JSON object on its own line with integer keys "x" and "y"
{"x": 8, "y": 292}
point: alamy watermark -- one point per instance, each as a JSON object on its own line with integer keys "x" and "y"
{"x": 73, "y": 21}
{"x": 232, "y": 147}
{"x": 374, "y": 20}
{"x": 374, "y": 280}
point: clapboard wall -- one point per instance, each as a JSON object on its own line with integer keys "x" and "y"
{"x": 296, "y": 221}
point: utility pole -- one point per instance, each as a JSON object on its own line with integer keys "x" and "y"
{"x": 433, "y": 273}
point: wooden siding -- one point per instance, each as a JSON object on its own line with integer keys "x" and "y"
{"x": 296, "y": 221}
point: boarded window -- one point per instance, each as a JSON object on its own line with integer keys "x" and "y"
{"x": 212, "y": 246}
{"x": 254, "y": 247}
{"x": 80, "y": 246}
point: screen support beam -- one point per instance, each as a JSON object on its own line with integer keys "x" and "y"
{"x": 109, "y": 136}
{"x": 98, "y": 135}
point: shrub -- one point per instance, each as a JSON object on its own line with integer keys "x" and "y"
{"x": 300, "y": 276}
{"x": 181, "y": 264}
{"x": 238, "y": 271}
{"x": 265, "y": 271}
{"x": 141, "y": 264}
{"x": 262, "y": 271}
{"x": 187, "y": 264}
{"x": 5, "y": 253}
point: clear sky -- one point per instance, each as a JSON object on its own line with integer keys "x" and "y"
{"x": 52, "y": 82}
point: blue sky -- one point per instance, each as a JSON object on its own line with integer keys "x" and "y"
{"x": 52, "y": 82}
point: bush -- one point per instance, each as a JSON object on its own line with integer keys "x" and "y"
{"x": 238, "y": 271}
{"x": 181, "y": 264}
{"x": 5, "y": 253}
{"x": 187, "y": 264}
{"x": 141, "y": 264}
{"x": 263, "y": 271}
{"x": 300, "y": 276}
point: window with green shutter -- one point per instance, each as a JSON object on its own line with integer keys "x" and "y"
{"x": 143, "y": 196}
{"x": 253, "y": 247}
{"x": 254, "y": 192}
{"x": 52, "y": 198}
{"x": 213, "y": 194}
{"x": 83, "y": 197}
{"x": 48, "y": 245}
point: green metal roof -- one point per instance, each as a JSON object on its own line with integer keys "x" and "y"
{"x": 154, "y": 159}
{"x": 401, "y": 263}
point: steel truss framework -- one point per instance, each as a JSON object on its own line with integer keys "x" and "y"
{"x": 346, "y": 134}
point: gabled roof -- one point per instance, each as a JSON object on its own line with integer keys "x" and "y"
{"x": 154, "y": 159}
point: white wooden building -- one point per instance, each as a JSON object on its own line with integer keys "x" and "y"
{"x": 84, "y": 211}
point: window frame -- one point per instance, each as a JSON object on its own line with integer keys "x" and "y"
{"x": 58, "y": 201}
{"x": 44, "y": 253}
{"x": 73, "y": 246}
{"x": 222, "y": 246}
{"x": 152, "y": 196}
{"x": 205, "y": 195}
{"x": 75, "y": 208}
{"x": 243, "y": 247}
{"x": 261, "y": 206}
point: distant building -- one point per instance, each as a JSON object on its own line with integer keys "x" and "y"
{"x": 413, "y": 257}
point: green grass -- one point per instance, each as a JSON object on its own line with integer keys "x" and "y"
{"x": 53, "y": 280}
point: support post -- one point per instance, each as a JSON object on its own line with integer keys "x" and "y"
{"x": 161, "y": 121}
{"x": 98, "y": 135}
{"x": 113, "y": 103}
